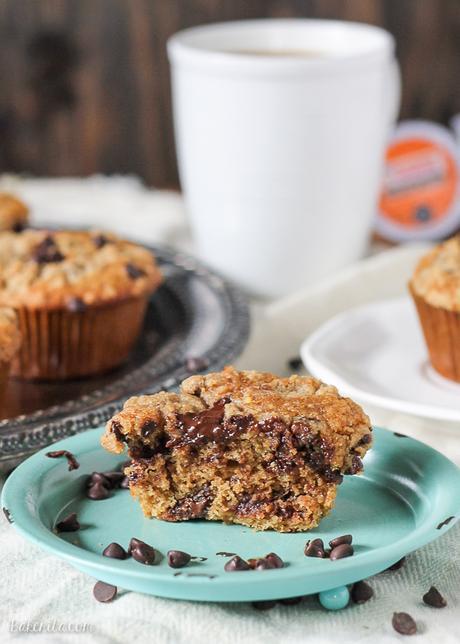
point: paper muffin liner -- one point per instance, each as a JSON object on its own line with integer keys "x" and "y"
{"x": 61, "y": 344}
{"x": 4, "y": 374}
{"x": 441, "y": 329}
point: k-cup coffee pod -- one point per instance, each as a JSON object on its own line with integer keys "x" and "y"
{"x": 420, "y": 193}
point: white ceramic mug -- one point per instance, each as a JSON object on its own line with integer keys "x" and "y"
{"x": 280, "y": 156}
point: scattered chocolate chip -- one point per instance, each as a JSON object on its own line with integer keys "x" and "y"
{"x": 104, "y": 592}
{"x": 100, "y": 240}
{"x": 235, "y": 564}
{"x": 115, "y": 551}
{"x": 76, "y": 305}
{"x": 340, "y": 552}
{"x": 404, "y": 624}
{"x": 263, "y": 564}
{"x": 114, "y": 478}
{"x": 361, "y": 592}
{"x": 434, "y": 598}
{"x": 397, "y": 565}
{"x": 47, "y": 252}
{"x": 97, "y": 492}
{"x": 71, "y": 460}
{"x": 134, "y": 272}
{"x": 225, "y": 554}
{"x": 125, "y": 483}
{"x": 97, "y": 477}
{"x": 264, "y": 605}
{"x": 7, "y": 514}
{"x": 178, "y": 559}
{"x": 69, "y": 524}
{"x": 199, "y": 574}
{"x": 275, "y": 560}
{"x": 196, "y": 364}
{"x": 338, "y": 541}
{"x": 290, "y": 601}
{"x": 315, "y": 548}
{"x": 398, "y": 435}
{"x": 445, "y": 522}
{"x": 143, "y": 553}
{"x": 295, "y": 364}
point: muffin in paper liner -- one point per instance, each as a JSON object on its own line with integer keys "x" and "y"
{"x": 10, "y": 339}
{"x": 441, "y": 329}
{"x": 61, "y": 344}
{"x": 80, "y": 297}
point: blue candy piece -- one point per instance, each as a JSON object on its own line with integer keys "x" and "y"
{"x": 334, "y": 599}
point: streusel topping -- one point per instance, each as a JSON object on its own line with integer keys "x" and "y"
{"x": 437, "y": 275}
{"x": 40, "y": 268}
{"x": 13, "y": 212}
{"x": 10, "y": 336}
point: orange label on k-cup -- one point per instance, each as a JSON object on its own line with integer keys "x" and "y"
{"x": 421, "y": 182}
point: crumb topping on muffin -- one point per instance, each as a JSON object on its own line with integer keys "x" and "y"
{"x": 262, "y": 397}
{"x": 10, "y": 336}
{"x": 14, "y": 213}
{"x": 54, "y": 269}
{"x": 437, "y": 275}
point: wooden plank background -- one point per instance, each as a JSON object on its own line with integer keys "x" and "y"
{"x": 84, "y": 84}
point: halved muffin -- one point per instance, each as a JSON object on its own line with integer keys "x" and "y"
{"x": 242, "y": 447}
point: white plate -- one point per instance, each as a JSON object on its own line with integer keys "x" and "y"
{"x": 376, "y": 354}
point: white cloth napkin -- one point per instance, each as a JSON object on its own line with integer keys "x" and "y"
{"x": 38, "y": 588}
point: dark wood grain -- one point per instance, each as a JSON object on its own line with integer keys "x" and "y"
{"x": 85, "y": 83}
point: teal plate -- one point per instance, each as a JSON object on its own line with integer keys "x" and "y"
{"x": 400, "y": 503}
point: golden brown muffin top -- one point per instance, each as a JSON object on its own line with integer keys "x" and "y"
{"x": 10, "y": 336}
{"x": 14, "y": 214}
{"x": 437, "y": 275}
{"x": 55, "y": 269}
{"x": 263, "y": 397}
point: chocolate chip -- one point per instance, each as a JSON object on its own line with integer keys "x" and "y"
{"x": 7, "y": 514}
{"x": 97, "y": 477}
{"x": 76, "y": 305}
{"x": 404, "y": 624}
{"x": 235, "y": 564}
{"x": 290, "y": 601}
{"x": 69, "y": 524}
{"x": 361, "y": 592}
{"x": 125, "y": 483}
{"x": 295, "y": 364}
{"x": 178, "y": 559}
{"x": 399, "y": 564}
{"x": 398, "y": 435}
{"x": 115, "y": 551}
{"x": 356, "y": 465}
{"x": 434, "y": 598}
{"x": 71, "y": 460}
{"x": 445, "y": 522}
{"x": 18, "y": 227}
{"x": 143, "y": 553}
{"x": 263, "y": 564}
{"x": 340, "y": 552}
{"x": 100, "y": 240}
{"x": 275, "y": 560}
{"x": 338, "y": 541}
{"x": 264, "y": 605}
{"x": 134, "y": 272}
{"x": 47, "y": 252}
{"x": 194, "y": 364}
{"x": 114, "y": 478}
{"x": 104, "y": 592}
{"x": 225, "y": 554}
{"x": 97, "y": 492}
{"x": 315, "y": 548}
